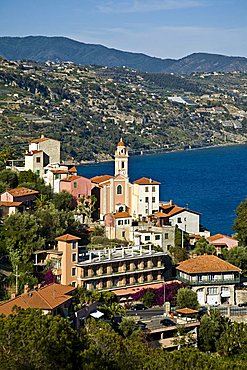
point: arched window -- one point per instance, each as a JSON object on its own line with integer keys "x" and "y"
{"x": 119, "y": 189}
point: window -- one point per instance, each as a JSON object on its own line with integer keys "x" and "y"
{"x": 166, "y": 236}
{"x": 73, "y": 283}
{"x": 119, "y": 189}
{"x": 153, "y": 189}
{"x": 213, "y": 290}
{"x": 38, "y": 172}
{"x": 147, "y": 237}
{"x": 122, "y": 165}
{"x": 57, "y": 176}
{"x": 73, "y": 257}
{"x": 211, "y": 277}
{"x": 123, "y": 234}
{"x": 73, "y": 245}
{"x": 157, "y": 237}
{"x": 120, "y": 222}
{"x": 75, "y": 184}
{"x": 37, "y": 159}
{"x": 146, "y": 189}
{"x": 153, "y": 199}
{"x": 73, "y": 271}
{"x": 179, "y": 221}
{"x": 146, "y": 200}
{"x": 126, "y": 222}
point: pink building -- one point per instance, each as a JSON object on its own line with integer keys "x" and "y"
{"x": 22, "y": 195}
{"x": 221, "y": 241}
{"x": 77, "y": 186}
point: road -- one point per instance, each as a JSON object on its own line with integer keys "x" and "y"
{"x": 148, "y": 313}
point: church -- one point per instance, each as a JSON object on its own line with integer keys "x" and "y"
{"x": 120, "y": 201}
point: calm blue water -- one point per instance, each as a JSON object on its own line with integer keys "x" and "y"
{"x": 211, "y": 181}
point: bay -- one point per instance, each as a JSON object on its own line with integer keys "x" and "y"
{"x": 212, "y": 181}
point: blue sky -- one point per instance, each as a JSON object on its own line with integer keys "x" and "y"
{"x": 162, "y": 28}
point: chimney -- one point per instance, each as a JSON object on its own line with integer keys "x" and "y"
{"x": 170, "y": 202}
{"x": 13, "y": 295}
{"x": 150, "y": 180}
{"x": 26, "y": 288}
{"x": 42, "y": 136}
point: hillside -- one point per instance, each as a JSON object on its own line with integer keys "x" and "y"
{"x": 89, "y": 108}
{"x": 41, "y": 49}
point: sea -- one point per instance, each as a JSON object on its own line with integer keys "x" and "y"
{"x": 211, "y": 181}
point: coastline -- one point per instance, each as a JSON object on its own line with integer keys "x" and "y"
{"x": 150, "y": 152}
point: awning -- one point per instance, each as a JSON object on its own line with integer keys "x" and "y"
{"x": 97, "y": 314}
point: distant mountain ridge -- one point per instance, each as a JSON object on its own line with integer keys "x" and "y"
{"x": 43, "y": 48}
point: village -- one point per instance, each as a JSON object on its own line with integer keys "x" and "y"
{"x": 134, "y": 252}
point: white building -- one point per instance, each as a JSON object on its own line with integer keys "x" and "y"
{"x": 213, "y": 279}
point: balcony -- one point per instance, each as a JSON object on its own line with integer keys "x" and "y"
{"x": 209, "y": 282}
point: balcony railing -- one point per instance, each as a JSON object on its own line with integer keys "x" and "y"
{"x": 209, "y": 282}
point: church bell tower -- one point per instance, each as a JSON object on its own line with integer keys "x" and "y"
{"x": 121, "y": 159}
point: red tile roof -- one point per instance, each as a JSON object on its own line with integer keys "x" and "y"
{"x": 10, "y": 204}
{"x": 19, "y": 192}
{"x": 121, "y": 143}
{"x": 206, "y": 264}
{"x": 67, "y": 238}
{"x": 71, "y": 178}
{"x": 186, "y": 311}
{"x": 73, "y": 169}
{"x": 34, "y": 152}
{"x": 121, "y": 215}
{"x": 146, "y": 181}
{"x": 101, "y": 178}
{"x": 218, "y": 236}
{"x": 59, "y": 171}
{"x": 40, "y": 140}
{"x": 171, "y": 210}
{"x": 46, "y": 298}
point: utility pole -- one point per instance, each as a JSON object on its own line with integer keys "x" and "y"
{"x": 16, "y": 279}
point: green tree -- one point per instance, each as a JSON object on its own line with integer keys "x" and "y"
{"x": 211, "y": 328}
{"x": 21, "y": 238}
{"x": 112, "y": 309}
{"x": 178, "y": 254}
{"x": 233, "y": 340}
{"x": 181, "y": 238}
{"x": 63, "y": 201}
{"x": 202, "y": 246}
{"x": 186, "y": 297}
{"x": 31, "y": 340}
{"x": 8, "y": 178}
{"x": 86, "y": 207}
{"x": 238, "y": 257}
{"x": 240, "y": 223}
{"x": 128, "y": 326}
{"x": 148, "y": 298}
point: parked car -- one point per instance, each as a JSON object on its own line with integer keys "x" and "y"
{"x": 167, "y": 322}
{"x": 138, "y": 307}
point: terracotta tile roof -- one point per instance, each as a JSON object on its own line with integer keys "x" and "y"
{"x": 101, "y": 178}
{"x": 67, "y": 238}
{"x": 159, "y": 214}
{"x": 121, "y": 215}
{"x": 71, "y": 178}
{"x": 73, "y": 169}
{"x": 10, "y": 204}
{"x": 34, "y": 152}
{"x": 171, "y": 210}
{"x": 59, "y": 171}
{"x": 19, "y": 192}
{"x": 186, "y": 311}
{"x": 206, "y": 264}
{"x": 218, "y": 236}
{"x": 40, "y": 140}
{"x": 146, "y": 181}
{"x": 121, "y": 143}
{"x": 46, "y": 298}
